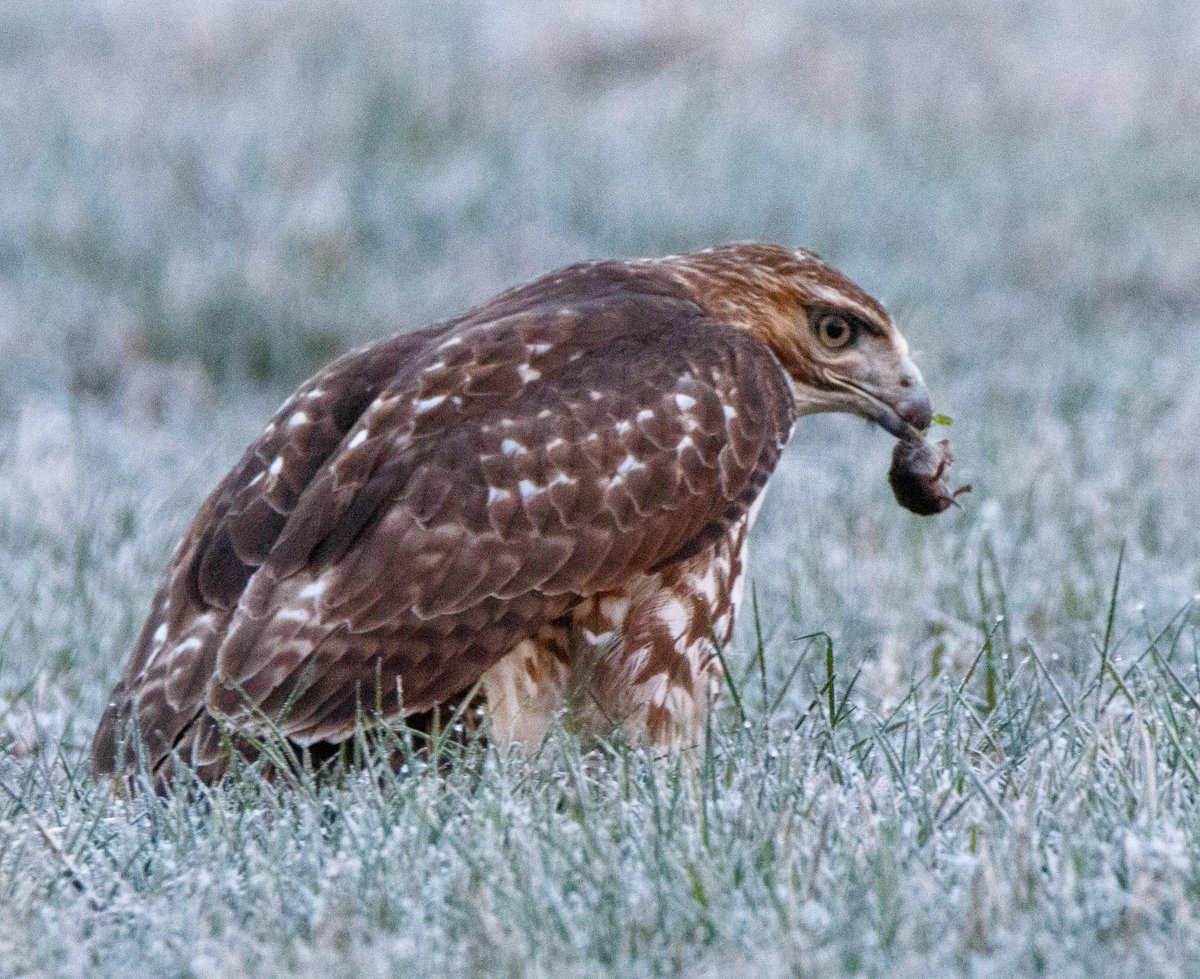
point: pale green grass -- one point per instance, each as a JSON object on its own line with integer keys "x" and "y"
{"x": 985, "y": 764}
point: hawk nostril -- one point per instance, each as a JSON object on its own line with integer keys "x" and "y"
{"x": 906, "y": 382}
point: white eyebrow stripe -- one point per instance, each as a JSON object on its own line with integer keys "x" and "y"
{"x": 840, "y": 302}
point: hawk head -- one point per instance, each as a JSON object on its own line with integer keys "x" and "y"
{"x": 838, "y": 345}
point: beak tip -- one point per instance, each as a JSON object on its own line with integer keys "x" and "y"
{"x": 915, "y": 409}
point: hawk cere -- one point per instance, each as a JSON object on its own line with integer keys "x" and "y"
{"x": 545, "y": 500}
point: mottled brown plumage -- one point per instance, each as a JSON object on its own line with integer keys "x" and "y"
{"x": 548, "y": 496}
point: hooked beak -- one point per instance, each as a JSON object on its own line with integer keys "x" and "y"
{"x": 910, "y": 412}
{"x": 902, "y": 410}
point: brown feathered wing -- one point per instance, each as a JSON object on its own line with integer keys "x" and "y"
{"x": 419, "y": 507}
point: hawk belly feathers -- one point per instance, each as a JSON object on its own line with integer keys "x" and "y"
{"x": 548, "y": 494}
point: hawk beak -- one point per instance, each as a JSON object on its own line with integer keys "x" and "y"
{"x": 906, "y": 407}
{"x": 902, "y": 408}
{"x": 911, "y": 414}
{"x": 912, "y": 409}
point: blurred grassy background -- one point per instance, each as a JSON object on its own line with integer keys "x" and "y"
{"x": 201, "y": 203}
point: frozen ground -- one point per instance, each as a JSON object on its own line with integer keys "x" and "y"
{"x": 991, "y": 769}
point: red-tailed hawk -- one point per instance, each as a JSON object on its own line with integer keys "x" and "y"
{"x": 545, "y": 500}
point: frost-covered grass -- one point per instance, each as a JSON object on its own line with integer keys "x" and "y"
{"x": 982, "y": 760}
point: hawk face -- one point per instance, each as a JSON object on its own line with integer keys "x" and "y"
{"x": 838, "y": 345}
{"x": 855, "y": 360}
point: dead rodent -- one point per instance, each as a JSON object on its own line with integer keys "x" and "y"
{"x": 918, "y": 475}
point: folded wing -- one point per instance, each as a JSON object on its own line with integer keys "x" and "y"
{"x": 419, "y": 507}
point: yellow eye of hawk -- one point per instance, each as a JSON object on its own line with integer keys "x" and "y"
{"x": 835, "y": 330}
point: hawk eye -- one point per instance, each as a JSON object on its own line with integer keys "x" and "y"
{"x": 835, "y": 330}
